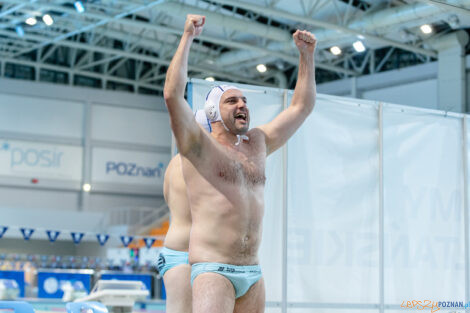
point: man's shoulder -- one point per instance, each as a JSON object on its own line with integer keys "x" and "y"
{"x": 256, "y": 132}
{"x": 257, "y": 137}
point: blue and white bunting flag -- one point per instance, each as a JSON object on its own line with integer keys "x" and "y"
{"x": 126, "y": 240}
{"x": 77, "y": 237}
{"x": 3, "y": 230}
{"x": 102, "y": 239}
{"x": 27, "y": 233}
{"x": 52, "y": 235}
{"x": 149, "y": 242}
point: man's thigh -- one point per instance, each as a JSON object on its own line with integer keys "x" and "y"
{"x": 213, "y": 293}
{"x": 178, "y": 289}
{"x": 253, "y": 301}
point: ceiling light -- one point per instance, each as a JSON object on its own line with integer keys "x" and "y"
{"x": 19, "y": 30}
{"x": 261, "y": 68}
{"x": 86, "y": 187}
{"x": 31, "y": 21}
{"x": 359, "y": 46}
{"x": 210, "y": 79}
{"x": 335, "y": 50}
{"x": 79, "y": 6}
{"x": 426, "y": 29}
{"x": 47, "y": 19}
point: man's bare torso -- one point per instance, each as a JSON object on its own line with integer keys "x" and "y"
{"x": 174, "y": 190}
{"x": 227, "y": 201}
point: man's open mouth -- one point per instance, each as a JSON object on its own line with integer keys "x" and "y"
{"x": 240, "y": 116}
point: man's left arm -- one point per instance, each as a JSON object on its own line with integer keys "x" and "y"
{"x": 283, "y": 126}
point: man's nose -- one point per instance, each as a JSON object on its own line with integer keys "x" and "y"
{"x": 241, "y": 104}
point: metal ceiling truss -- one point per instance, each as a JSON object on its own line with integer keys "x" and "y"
{"x": 129, "y": 44}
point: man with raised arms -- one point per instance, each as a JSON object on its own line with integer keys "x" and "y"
{"x": 173, "y": 264}
{"x": 224, "y": 174}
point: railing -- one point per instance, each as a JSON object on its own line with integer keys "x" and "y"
{"x": 138, "y": 220}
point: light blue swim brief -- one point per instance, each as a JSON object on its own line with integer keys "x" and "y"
{"x": 242, "y": 277}
{"x": 169, "y": 258}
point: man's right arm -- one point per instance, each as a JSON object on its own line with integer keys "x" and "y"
{"x": 185, "y": 128}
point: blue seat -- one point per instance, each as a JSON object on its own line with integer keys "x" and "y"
{"x": 86, "y": 307}
{"x": 17, "y": 306}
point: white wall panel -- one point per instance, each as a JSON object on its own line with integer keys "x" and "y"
{"x": 419, "y": 94}
{"x": 41, "y": 116}
{"x": 128, "y": 167}
{"x": 43, "y": 247}
{"x": 51, "y": 219}
{"x": 132, "y": 126}
{"x": 38, "y": 199}
{"x": 108, "y": 202}
{"x": 40, "y": 160}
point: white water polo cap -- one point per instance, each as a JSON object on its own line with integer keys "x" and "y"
{"x": 202, "y": 120}
{"x": 211, "y": 106}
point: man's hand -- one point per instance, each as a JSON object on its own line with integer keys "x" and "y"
{"x": 194, "y": 24}
{"x": 305, "y": 41}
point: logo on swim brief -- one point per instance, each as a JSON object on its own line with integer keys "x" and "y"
{"x": 161, "y": 261}
{"x": 228, "y": 270}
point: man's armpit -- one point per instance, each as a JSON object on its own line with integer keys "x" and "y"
{"x": 195, "y": 148}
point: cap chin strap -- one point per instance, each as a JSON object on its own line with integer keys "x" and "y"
{"x": 240, "y": 138}
{"x": 222, "y": 121}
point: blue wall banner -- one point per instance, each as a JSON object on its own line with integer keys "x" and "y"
{"x": 17, "y": 276}
{"x": 52, "y": 283}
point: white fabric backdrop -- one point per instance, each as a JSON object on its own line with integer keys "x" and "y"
{"x": 264, "y": 105}
{"x": 467, "y": 124}
{"x": 424, "y": 209}
{"x": 333, "y": 172}
{"x": 333, "y": 203}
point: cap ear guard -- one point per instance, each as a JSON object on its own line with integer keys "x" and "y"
{"x": 211, "y": 106}
{"x": 211, "y": 112}
{"x": 201, "y": 118}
